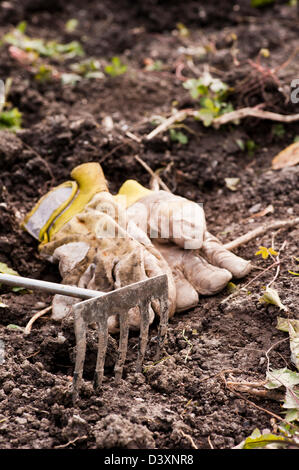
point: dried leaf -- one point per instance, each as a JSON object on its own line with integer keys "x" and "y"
{"x": 291, "y": 400}
{"x": 291, "y": 326}
{"x": 294, "y": 344}
{"x": 232, "y": 183}
{"x": 287, "y": 157}
{"x": 271, "y": 297}
{"x": 283, "y": 324}
{"x": 282, "y": 378}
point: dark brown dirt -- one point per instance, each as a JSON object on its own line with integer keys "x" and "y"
{"x": 182, "y": 401}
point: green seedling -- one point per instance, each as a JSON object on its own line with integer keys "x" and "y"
{"x": 10, "y": 119}
{"x": 249, "y": 145}
{"x": 89, "y": 68}
{"x": 71, "y": 25}
{"x": 115, "y": 68}
{"x": 18, "y": 38}
{"x": 183, "y": 30}
{"x": 211, "y": 94}
{"x": 154, "y": 66}
{"x": 278, "y": 130}
{"x": 44, "y": 73}
{"x": 178, "y": 136}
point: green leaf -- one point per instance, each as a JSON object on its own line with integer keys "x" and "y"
{"x": 71, "y": 25}
{"x": 11, "y": 119}
{"x": 206, "y": 116}
{"x": 257, "y": 440}
{"x": 282, "y": 378}
{"x": 292, "y": 415}
{"x": 22, "y": 27}
{"x": 116, "y": 67}
{"x": 240, "y": 144}
{"x": 278, "y": 130}
{"x": 178, "y": 136}
{"x": 12, "y": 326}
{"x": 4, "y": 269}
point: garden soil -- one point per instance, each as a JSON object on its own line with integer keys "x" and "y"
{"x": 186, "y": 400}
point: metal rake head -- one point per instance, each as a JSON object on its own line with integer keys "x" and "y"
{"x": 118, "y": 302}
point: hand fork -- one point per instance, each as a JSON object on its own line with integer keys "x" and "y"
{"x": 97, "y": 309}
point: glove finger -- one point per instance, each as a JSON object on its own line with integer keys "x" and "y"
{"x": 205, "y": 278}
{"x": 165, "y": 216}
{"x": 62, "y": 306}
{"x": 217, "y": 255}
{"x": 186, "y": 295}
{"x": 154, "y": 265}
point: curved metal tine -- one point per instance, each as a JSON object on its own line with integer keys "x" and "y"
{"x": 102, "y": 326}
{"x": 80, "y": 333}
{"x": 122, "y": 345}
{"x": 162, "y": 330}
{"x": 143, "y": 337}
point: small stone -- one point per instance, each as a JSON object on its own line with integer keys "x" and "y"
{"x": 21, "y": 420}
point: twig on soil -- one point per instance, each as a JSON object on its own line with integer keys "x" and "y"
{"x": 176, "y": 117}
{"x": 253, "y": 112}
{"x": 150, "y": 171}
{"x": 260, "y": 231}
{"x": 62, "y": 446}
{"x": 210, "y": 442}
{"x": 274, "y": 415}
{"x": 189, "y": 439}
{"x": 278, "y": 261}
{"x": 224, "y": 118}
{"x": 237, "y": 291}
{"x": 34, "y": 318}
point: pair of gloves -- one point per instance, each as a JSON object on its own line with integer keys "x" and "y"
{"x": 104, "y": 242}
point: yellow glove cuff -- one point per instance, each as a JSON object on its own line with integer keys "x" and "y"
{"x": 130, "y": 192}
{"x": 58, "y": 206}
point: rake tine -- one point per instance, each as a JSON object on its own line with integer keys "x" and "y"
{"x": 80, "y": 333}
{"x": 102, "y": 325}
{"x": 144, "y": 328}
{"x": 123, "y": 346}
{"x": 162, "y": 331}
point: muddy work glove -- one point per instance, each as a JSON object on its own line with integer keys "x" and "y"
{"x": 177, "y": 227}
{"x": 79, "y": 225}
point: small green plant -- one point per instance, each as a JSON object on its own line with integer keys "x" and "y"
{"x": 89, "y": 68}
{"x": 71, "y": 25}
{"x": 178, "y": 136}
{"x": 10, "y": 119}
{"x": 18, "y": 38}
{"x": 44, "y": 73}
{"x": 278, "y": 130}
{"x": 211, "y": 94}
{"x": 249, "y": 145}
{"x": 115, "y": 68}
{"x": 153, "y": 65}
